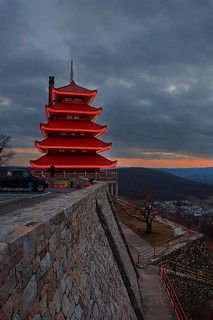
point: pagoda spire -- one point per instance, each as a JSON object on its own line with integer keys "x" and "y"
{"x": 71, "y": 72}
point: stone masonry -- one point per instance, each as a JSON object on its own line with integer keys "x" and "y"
{"x": 57, "y": 261}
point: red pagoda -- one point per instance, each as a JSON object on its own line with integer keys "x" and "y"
{"x": 71, "y": 135}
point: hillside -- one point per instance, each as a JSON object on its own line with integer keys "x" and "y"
{"x": 204, "y": 175}
{"x": 167, "y": 186}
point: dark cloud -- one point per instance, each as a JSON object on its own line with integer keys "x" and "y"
{"x": 150, "y": 60}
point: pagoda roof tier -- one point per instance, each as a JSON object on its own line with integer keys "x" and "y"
{"x": 73, "y": 161}
{"x": 72, "y": 143}
{"x": 74, "y": 89}
{"x": 77, "y": 108}
{"x": 73, "y": 125}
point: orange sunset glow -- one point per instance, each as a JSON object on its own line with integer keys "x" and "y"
{"x": 166, "y": 163}
{"x": 23, "y": 156}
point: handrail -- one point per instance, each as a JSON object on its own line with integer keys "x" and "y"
{"x": 104, "y": 175}
{"x": 177, "y": 221}
{"x": 192, "y": 272}
{"x": 156, "y": 249}
{"x": 178, "y": 310}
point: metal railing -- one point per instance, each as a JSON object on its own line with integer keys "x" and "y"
{"x": 100, "y": 176}
{"x": 177, "y": 221}
{"x": 158, "y": 248}
{"x": 192, "y": 272}
{"x": 178, "y": 310}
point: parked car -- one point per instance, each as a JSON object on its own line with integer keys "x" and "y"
{"x": 15, "y": 178}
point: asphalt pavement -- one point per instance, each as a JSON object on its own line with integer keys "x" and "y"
{"x": 10, "y": 202}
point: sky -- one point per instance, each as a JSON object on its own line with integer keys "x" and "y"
{"x": 151, "y": 62}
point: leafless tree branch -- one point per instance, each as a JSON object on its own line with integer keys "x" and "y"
{"x": 5, "y": 154}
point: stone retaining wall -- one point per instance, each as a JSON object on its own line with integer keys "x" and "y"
{"x": 58, "y": 261}
{"x": 194, "y": 254}
{"x": 193, "y": 295}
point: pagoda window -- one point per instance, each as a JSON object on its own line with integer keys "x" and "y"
{"x": 69, "y": 116}
{"x": 61, "y": 150}
{"x": 84, "y": 151}
{"x": 63, "y": 133}
{"x": 76, "y": 117}
{"x": 72, "y": 133}
{"x": 82, "y": 134}
{"x": 67, "y": 99}
{"x": 72, "y": 150}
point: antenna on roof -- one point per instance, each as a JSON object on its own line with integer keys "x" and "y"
{"x": 71, "y": 72}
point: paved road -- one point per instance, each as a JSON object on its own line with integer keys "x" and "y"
{"x": 10, "y": 202}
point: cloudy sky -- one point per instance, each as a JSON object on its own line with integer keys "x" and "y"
{"x": 151, "y": 61}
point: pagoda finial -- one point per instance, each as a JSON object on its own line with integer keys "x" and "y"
{"x": 71, "y": 72}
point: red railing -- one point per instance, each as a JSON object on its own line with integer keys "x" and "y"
{"x": 178, "y": 310}
{"x": 177, "y": 221}
{"x": 158, "y": 248}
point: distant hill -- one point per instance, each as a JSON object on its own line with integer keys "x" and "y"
{"x": 167, "y": 186}
{"x": 204, "y": 175}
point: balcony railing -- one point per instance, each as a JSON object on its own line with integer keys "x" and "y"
{"x": 100, "y": 176}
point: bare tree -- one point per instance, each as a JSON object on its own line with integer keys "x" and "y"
{"x": 5, "y": 153}
{"x": 147, "y": 207}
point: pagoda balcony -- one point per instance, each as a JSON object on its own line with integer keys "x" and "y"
{"x": 99, "y": 176}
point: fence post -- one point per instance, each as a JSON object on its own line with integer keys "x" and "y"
{"x": 159, "y": 268}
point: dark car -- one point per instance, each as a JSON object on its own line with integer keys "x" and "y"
{"x": 21, "y": 179}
